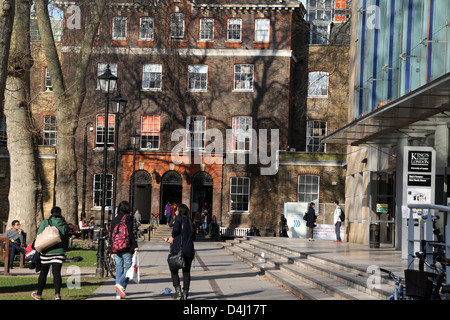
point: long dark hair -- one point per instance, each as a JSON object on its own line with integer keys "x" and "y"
{"x": 57, "y": 213}
{"x": 183, "y": 211}
{"x": 124, "y": 207}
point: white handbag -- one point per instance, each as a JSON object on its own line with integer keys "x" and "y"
{"x": 47, "y": 238}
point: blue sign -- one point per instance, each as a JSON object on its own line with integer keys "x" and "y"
{"x": 297, "y": 223}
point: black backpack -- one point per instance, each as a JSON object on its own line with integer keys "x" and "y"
{"x": 342, "y": 216}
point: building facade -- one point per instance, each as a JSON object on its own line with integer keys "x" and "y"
{"x": 229, "y": 101}
{"x": 399, "y": 73}
{"x": 210, "y": 93}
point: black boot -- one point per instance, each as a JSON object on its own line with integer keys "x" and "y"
{"x": 185, "y": 294}
{"x": 178, "y": 293}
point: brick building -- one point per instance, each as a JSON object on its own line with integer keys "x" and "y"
{"x": 230, "y": 69}
{"x": 196, "y": 69}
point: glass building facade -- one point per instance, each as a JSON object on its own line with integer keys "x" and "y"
{"x": 402, "y": 45}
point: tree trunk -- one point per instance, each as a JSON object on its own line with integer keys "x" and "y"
{"x": 66, "y": 193}
{"x": 69, "y": 104}
{"x": 6, "y": 23}
{"x": 25, "y": 196}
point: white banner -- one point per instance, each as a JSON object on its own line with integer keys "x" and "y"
{"x": 327, "y": 232}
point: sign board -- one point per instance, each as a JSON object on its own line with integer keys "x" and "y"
{"x": 419, "y": 180}
{"x": 419, "y": 160}
{"x": 294, "y": 212}
{"x": 382, "y": 208}
{"x": 419, "y": 174}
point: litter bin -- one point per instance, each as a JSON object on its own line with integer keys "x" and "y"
{"x": 374, "y": 235}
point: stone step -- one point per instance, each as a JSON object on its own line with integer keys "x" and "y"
{"x": 321, "y": 261}
{"x": 345, "y": 274}
{"x": 338, "y": 289}
{"x": 164, "y": 231}
{"x": 297, "y": 287}
{"x": 293, "y": 270}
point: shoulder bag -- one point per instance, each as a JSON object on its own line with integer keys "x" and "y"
{"x": 47, "y": 238}
{"x": 176, "y": 261}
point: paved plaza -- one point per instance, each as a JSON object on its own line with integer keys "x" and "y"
{"x": 218, "y": 275}
{"x": 215, "y": 274}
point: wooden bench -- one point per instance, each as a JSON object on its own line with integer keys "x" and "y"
{"x": 74, "y": 231}
{"x": 4, "y": 252}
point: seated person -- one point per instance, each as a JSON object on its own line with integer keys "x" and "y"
{"x": 16, "y": 238}
{"x": 91, "y": 225}
{"x": 84, "y": 228}
{"x": 253, "y": 231}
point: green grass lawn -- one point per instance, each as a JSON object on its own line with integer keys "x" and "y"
{"x": 20, "y": 288}
{"x": 89, "y": 257}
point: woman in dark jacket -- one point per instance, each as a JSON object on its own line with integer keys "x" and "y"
{"x": 183, "y": 224}
{"x": 283, "y": 226}
{"x": 53, "y": 256}
{"x": 311, "y": 220}
{"x": 122, "y": 257}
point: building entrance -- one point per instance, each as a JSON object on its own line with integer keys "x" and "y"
{"x": 202, "y": 191}
{"x": 383, "y": 206}
{"x": 171, "y": 191}
{"x": 142, "y": 194}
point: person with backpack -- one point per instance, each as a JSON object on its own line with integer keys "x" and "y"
{"x": 338, "y": 218}
{"x": 122, "y": 246}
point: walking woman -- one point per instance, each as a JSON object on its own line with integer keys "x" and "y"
{"x": 311, "y": 220}
{"x": 183, "y": 228}
{"x": 123, "y": 245}
{"x": 53, "y": 256}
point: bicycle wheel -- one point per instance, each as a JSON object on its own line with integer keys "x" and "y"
{"x": 110, "y": 266}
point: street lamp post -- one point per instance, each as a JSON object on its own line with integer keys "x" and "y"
{"x": 118, "y": 108}
{"x": 134, "y": 137}
{"x": 89, "y": 125}
{"x": 107, "y": 83}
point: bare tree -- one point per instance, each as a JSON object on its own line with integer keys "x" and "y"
{"x": 6, "y": 24}
{"x": 25, "y": 194}
{"x": 69, "y": 96}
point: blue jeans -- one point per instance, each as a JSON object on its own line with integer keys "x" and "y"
{"x": 122, "y": 259}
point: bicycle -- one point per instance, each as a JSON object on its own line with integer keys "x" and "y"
{"x": 108, "y": 262}
{"x": 437, "y": 278}
{"x": 399, "y": 289}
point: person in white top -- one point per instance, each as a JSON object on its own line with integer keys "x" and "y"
{"x": 337, "y": 221}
